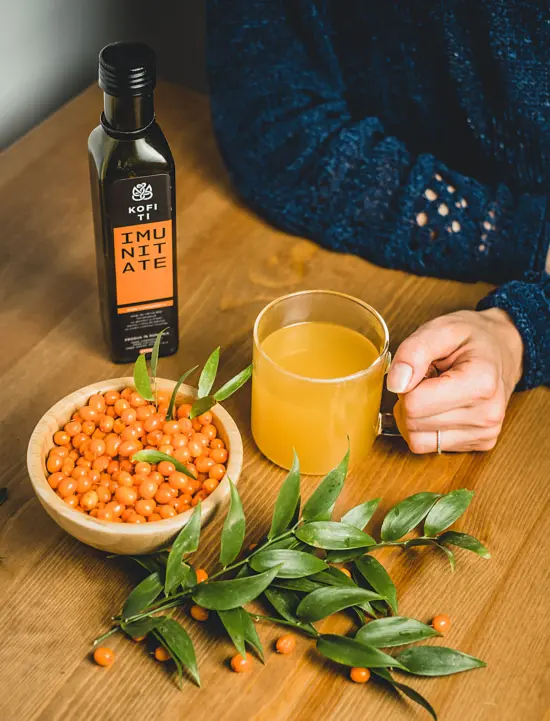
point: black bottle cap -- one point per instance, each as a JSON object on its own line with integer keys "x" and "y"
{"x": 127, "y": 68}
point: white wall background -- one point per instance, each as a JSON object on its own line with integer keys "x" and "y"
{"x": 49, "y": 48}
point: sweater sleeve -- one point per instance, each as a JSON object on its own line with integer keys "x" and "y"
{"x": 527, "y": 302}
{"x": 298, "y": 157}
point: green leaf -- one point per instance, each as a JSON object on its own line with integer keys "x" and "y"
{"x": 291, "y": 564}
{"x": 251, "y": 635}
{"x": 186, "y": 542}
{"x": 437, "y": 661}
{"x": 463, "y": 540}
{"x": 350, "y": 652}
{"x": 233, "y": 385}
{"x": 330, "y": 599}
{"x": 408, "y": 691}
{"x": 303, "y": 585}
{"x": 287, "y": 501}
{"x": 224, "y": 595}
{"x": 394, "y": 631}
{"x": 189, "y": 578}
{"x": 142, "y": 596}
{"x": 156, "y": 457}
{"x": 208, "y": 374}
{"x": 284, "y": 602}
{"x": 321, "y": 502}
{"x": 345, "y": 556}
{"x": 155, "y": 354}
{"x": 233, "y": 528}
{"x": 149, "y": 563}
{"x": 360, "y": 515}
{"x": 406, "y": 515}
{"x": 142, "y": 381}
{"x": 142, "y": 627}
{"x": 201, "y": 405}
{"x": 332, "y": 535}
{"x": 233, "y": 623}
{"x": 446, "y": 511}
{"x": 376, "y": 575}
{"x": 180, "y": 646}
{"x": 333, "y": 577}
{"x": 174, "y": 395}
{"x": 435, "y": 544}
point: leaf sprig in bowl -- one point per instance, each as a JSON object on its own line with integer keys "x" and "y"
{"x": 291, "y": 573}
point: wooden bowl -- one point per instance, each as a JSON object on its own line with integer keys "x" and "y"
{"x": 123, "y": 538}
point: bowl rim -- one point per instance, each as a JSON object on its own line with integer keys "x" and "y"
{"x": 168, "y": 526}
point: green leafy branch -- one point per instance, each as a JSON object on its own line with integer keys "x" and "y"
{"x": 146, "y": 383}
{"x": 286, "y": 573}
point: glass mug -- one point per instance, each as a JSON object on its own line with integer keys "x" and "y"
{"x": 305, "y": 408}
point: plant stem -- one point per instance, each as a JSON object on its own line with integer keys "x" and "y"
{"x": 282, "y": 622}
{"x": 286, "y": 534}
{"x": 99, "y": 639}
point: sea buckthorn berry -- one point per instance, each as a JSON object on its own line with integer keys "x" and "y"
{"x": 116, "y": 507}
{"x": 67, "y": 486}
{"x": 54, "y": 463}
{"x": 182, "y": 454}
{"x": 192, "y": 468}
{"x": 138, "y": 639}
{"x": 240, "y": 664}
{"x": 112, "y": 444}
{"x": 67, "y": 467}
{"x": 135, "y": 400}
{"x": 285, "y": 644}
{"x": 198, "y": 497}
{"x": 154, "y": 517}
{"x": 143, "y": 467}
{"x": 184, "y": 410}
{"x": 73, "y": 428}
{"x": 129, "y": 434}
{"x": 61, "y": 438}
{"x": 121, "y": 405}
{"x": 195, "y": 448}
{"x": 359, "y": 674}
{"x": 55, "y": 479}
{"x": 204, "y": 464}
{"x": 125, "y": 479}
{"x": 97, "y": 447}
{"x": 89, "y": 414}
{"x": 218, "y": 455}
{"x": 210, "y": 432}
{"x": 126, "y": 513}
{"x": 205, "y": 419}
{"x": 178, "y": 440}
{"x": 153, "y": 423}
{"x": 185, "y": 426}
{"x": 72, "y": 500}
{"x": 105, "y": 480}
{"x": 126, "y": 465}
{"x": 166, "y": 511}
{"x": 161, "y": 654}
{"x": 201, "y": 575}
{"x": 61, "y": 451}
{"x": 136, "y": 518}
{"x": 199, "y": 613}
{"x": 180, "y": 504}
{"x": 104, "y": 656}
{"x": 196, "y": 425}
{"x": 128, "y": 448}
{"x": 163, "y": 410}
{"x": 84, "y": 484}
{"x": 177, "y": 480}
{"x": 101, "y": 463}
{"x": 166, "y": 468}
{"x": 110, "y": 412}
{"x": 217, "y": 443}
{"x": 111, "y": 397}
{"x": 128, "y": 416}
{"x": 98, "y": 435}
{"x": 104, "y": 494}
{"x": 143, "y": 413}
{"x": 118, "y": 426}
{"x": 97, "y": 402}
{"x": 89, "y": 500}
{"x": 165, "y": 493}
{"x": 145, "y": 507}
{"x": 153, "y": 438}
{"x": 210, "y": 485}
{"x": 164, "y": 395}
{"x": 201, "y": 438}
{"x": 217, "y": 471}
{"x": 79, "y": 472}
{"x": 113, "y": 467}
{"x": 126, "y": 393}
{"x": 170, "y": 428}
{"x": 106, "y": 423}
{"x": 165, "y": 440}
{"x": 105, "y": 514}
{"x": 167, "y": 448}
{"x": 74, "y": 454}
{"x": 441, "y": 623}
{"x": 127, "y": 496}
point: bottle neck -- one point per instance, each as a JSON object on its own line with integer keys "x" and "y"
{"x": 129, "y": 113}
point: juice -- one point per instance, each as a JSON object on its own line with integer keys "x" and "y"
{"x": 311, "y": 392}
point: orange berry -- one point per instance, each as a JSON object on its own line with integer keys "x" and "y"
{"x": 105, "y": 514}
{"x": 55, "y": 479}
{"x": 89, "y": 414}
{"x": 167, "y": 448}
{"x": 154, "y": 437}
{"x": 153, "y": 423}
{"x": 84, "y": 484}
{"x": 166, "y": 468}
{"x": 195, "y": 448}
{"x": 54, "y": 463}
{"x": 218, "y": 455}
{"x": 240, "y": 664}
{"x": 104, "y": 656}
{"x": 143, "y": 467}
{"x": 165, "y": 493}
{"x": 118, "y": 426}
{"x": 285, "y": 644}
{"x": 217, "y": 471}
{"x": 345, "y": 571}
{"x": 199, "y": 496}
{"x": 135, "y": 400}
{"x": 116, "y": 508}
{"x": 204, "y": 464}
{"x": 205, "y": 419}
{"x": 112, "y": 444}
{"x": 61, "y": 438}
{"x": 201, "y": 575}
{"x": 128, "y": 448}
{"x": 196, "y": 425}
{"x": 199, "y": 613}
{"x": 182, "y": 454}
{"x": 136, "y": 518}
{"x": 154, "y": 517}
{"x": 161, "y": 654}
{"x": 166, "y": 511}
{"x": 177, "y": 480}
{"x": 67, "y": 486}
{"x": 121, "y": 405}
{"x": 210, "y": 432}
{"x": 97, "y": 447}
{"x": 73, "y": 428}
{"x": 97, "y": 402}
{"x": 178, "y": 440}
{"x": 138, "y": 639}
{"x": 147, "y": 489}
{"x": 170, "y": 428}
{"x": 441, "y": 623}
{"x": 104, "y": 494}
{"x": 129, "y": 434}
{"x": 125, "y": 495}
{"x": 72, "y": 500}
{"x": 217, "y": 443}
{"x": 184, "y": 410}
{"x": 200, "y": 438}
{"x": 185, "y": 426}
{"x": 89, "y": 500}
{"x": 359, "y": 674}
{"x": 210, "y": 485}
{"x": 126, "y": 513}
{"x": 111, "y": 397}
{"x": 61, "y": 451}
{"x": 128, "y": 416}
{"x": 101, "y": 464}
{"x": 106, "y": 424}
{"x": 145, "y": 506}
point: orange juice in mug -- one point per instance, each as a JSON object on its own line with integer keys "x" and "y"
{"x": 319, "y": 363}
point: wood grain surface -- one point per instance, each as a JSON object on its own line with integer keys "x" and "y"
{"x": 56, "y": 594}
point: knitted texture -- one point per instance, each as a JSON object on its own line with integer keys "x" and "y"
{"x": 414, "y": 134}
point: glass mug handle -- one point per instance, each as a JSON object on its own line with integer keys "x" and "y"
{"x": 387, "y": 425}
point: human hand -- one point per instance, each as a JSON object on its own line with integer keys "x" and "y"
{"x": 479, "y": 358}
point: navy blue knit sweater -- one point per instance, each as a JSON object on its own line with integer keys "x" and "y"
{"x": 415, "y": 134}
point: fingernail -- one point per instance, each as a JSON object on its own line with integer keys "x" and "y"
{"x": 399, "y": 377}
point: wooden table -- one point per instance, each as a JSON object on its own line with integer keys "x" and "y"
{"x": 56, "y": 595}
